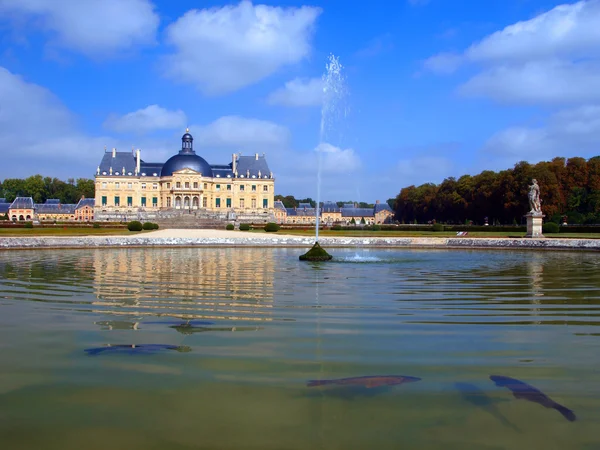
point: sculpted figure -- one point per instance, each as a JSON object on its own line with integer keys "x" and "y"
{"x": 534, "y": 198}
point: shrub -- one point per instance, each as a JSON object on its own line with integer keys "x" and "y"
{"x": 336, "y": 228}
{"x": 437, "y": 227}
{"x": 96, "y": 225}
{"x": 376, "y": 228}
{"x": 353, "y": 222}
{"x": 148, "y": 226}
{"x": 271, "y": 227}
{"x": 135, "y": 225}
{"x": 244, "y": 226}
{"x": 550, "y": 227}
{"x": 28, "y": 224}
{"x": 155, "y": 226}
{"x": 229, "y": 227}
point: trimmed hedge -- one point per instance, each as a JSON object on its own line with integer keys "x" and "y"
{"x": 244, "y": 227}
{"x": 148, "y": 226}
{"x": 376, "y": 228}
{"x": 229, "y": 226}
{"x": 437, "y": 227}
{"x": 550, "y": 227}
{"x": 135, "y": 225}
{"x": 271, "y": 227}
{"x": 28, "y": 225}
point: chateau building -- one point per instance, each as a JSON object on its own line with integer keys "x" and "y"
{"x": 331, "y": 214}
{"x": 24, "y": 209}
{"x": 127, "y": 187}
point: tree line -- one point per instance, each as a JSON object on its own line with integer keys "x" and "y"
{"x": 289, "y": 201}
{"x": 569, "y": 187}
{"x": 42, "y": 188}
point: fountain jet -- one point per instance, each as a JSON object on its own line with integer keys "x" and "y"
{"x": 334, "y": 90}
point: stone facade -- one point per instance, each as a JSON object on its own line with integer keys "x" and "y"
{"x": 331, "y": 214}
{"x": 128, "y": 188}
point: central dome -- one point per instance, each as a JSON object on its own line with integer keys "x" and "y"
{"x": 186, "y": 159}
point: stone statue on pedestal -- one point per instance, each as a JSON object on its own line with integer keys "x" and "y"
{"x": 534, "y": 198}
{"x": 534, "y": 216}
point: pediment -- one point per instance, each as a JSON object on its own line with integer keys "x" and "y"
{"x": 186, "y": 171}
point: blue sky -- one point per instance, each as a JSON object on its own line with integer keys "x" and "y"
{"x": 436, "y": 88}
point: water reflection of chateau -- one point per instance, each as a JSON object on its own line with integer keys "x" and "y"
{"x": 185, "y": 283}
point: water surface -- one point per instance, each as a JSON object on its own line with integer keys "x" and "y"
{"x": 246, "y": 329}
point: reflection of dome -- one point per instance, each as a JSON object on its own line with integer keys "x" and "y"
{"x": 186, "y": 159}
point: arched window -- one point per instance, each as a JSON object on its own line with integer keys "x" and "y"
{"x": 177, "y": 202}
{"x": 186, "y": 202}
{"x": 196, "y": 202}
{"x": 21, "y": 217}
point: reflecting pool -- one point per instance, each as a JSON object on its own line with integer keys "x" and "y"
{"x": 243, "y": 348}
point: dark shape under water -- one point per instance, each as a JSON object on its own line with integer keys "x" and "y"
{"x": 316, "y": 253}
{"x": 479, "y": 398}
{"x": 367, "y": 381}
{"x": 133, "y": 349}
{"x": 188, "y": 329}
{"x": 527, "y": 392}
{"x": 179, "y": 322}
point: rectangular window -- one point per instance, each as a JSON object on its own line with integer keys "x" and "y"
{"x": 204, "y": 202}
{"x": 154, "y": 185}
{"x": 241, "y": 187}
{"x": 253, "y": 203}
{"x": 168, "y": 185}
{"x": 178, "y": 185}
{"x": 265, "y": 188}
{"x": 104, "y": 185}
{"x": 104, "y": 200}
{"x": 205, "y": 185}
{"x": 143, "y": 202}
{"x": 195, "y": 185}
{"x": 187, "y": 184}
{"x": 143, "y": 185}
{"x": 129, "y": 185}
{"x": 218, "y": 187}
{"x": 129, "y": 201}
{"x": 265, "y": 203}
{"x": 117, "y": 185}
{"x": 168, "y": 202}
{"x": 117, "y": 201}
{"x": 154, "y": 202}
{"x": 218, "y": 202}
{"x": 241, "y": 202}
{"x": 254, "y": 187}
{"x": 228, "y": 187}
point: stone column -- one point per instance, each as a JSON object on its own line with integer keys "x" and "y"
{"x": 534, "y": 225}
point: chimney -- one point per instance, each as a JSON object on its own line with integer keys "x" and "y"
{"x": 137, "y": 162}
{"x": 256, "y": 156}
{"x": 234, "y": 163}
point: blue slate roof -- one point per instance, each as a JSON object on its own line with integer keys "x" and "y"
{"x": 52, "y": 201}
{"x": 3, "y": 200}
{"x": 85, "y": 202}
{"x": 150, "y": 169}
{"x": 330, "y": 207}
{"x": 52, "y": 208}
{"x": 120, "y": 161}
{"x": 22, "y": 203}
{"x": 222, "y": 171}
{"x": 4, "y": 207}
{"x": 279, "y": 205}
{"x": 252, "y": 167}
{"x": 358, "y": 212}
{"x": 382, "y": 207}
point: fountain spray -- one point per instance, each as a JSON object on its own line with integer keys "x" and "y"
{"x": 334, "y": 90}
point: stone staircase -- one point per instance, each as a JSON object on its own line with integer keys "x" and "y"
{"x": 192, "y": 220}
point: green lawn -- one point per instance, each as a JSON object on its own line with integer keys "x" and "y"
{"x": 60, "y": 231}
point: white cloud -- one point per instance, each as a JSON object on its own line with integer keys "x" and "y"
{"x": 337, "y": 160}
{"x": 240, "y": 133}
{"x": 299, "y": 92}
{"x": 572, "y": 132}
{"x": 90, "y": 27}
{"x": 538, "y": 82}
{"x": 150, "y": 118}
{"x": 220, "y": 50}
{"x": 569, "y": 30}
{"x": 423, "y": 169}
{"x": 552, "y": 58}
